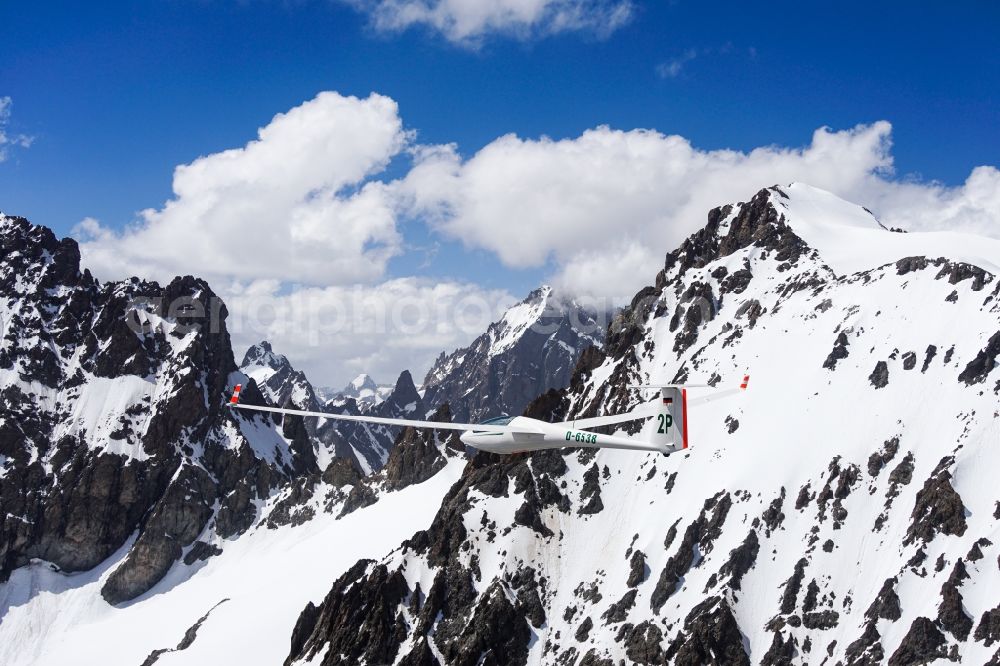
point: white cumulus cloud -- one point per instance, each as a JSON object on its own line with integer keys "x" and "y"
{"x": 467, "y": 22}
{"x": 606, "y": 206}
{"x": 9, "y": 140}
{"x": 296, "y": 204}
{"x": 295, "y": 228}
{"x": 334, "y": 333}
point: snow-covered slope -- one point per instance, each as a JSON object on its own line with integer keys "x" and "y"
{"x": 531, "y": 349}
{"x": 250, "y": 594}
{"x": 850, "y": 239}
{"x": 113, "y": 425}
{"x": 842, "y": 510}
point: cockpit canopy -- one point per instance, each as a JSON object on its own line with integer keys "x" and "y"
{"x": 499, "y": 420}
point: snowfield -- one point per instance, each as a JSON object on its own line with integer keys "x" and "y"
{"x": 266, "y": 577}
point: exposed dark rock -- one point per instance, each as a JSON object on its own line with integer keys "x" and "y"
{"x": 638, "y": 571}
{"x": 357, "y": 620}
{"x": 741, "y": 560}
{"x": 977, "y": 369}
{"x": 773, "y": 516}
{"x": 341, "y": 472}
{"x": 420, "y": 655}
{"x": 867, "y": 649}
{"x": 75, "y": 512}
{"x": 643, "y": 644}
{"x": 496, "y": 635}
{"x": 415, "y": 457}
{"x": 201, "y": 551}
{"x": 880, "y": 375}
{"x": 878, "y": 460}
{"x": 976, "y": 552}
{"x": 702, "y": 533}
{"x": 780, "y": 653}
{"x": 618, "y": 611}
{"x": 529, "y": 602}
{"x": 593, "y": 659}
{"x": 289, "y": 510}
{"x": 361, "y": 495}
{"x": 928, "y": 357}
{"x": 938, "y": 507}
{"x": 583, "y": 631}
{"x": 802, "y": 501}
{"x": 812, "y": 594}
{"x": 901, "y": 475}
{"x": 590, "y": 494}
{"x": 737, "y": 282}
{"x": 911, "y": 264}
{"x": 988, "y": 630}
{"x": 922, "y": 644}
{"x": 175, "y": 523}
{"x": 839, "y": 352}
{"x": 822, "y": 620}
{"x": 710, "y": 636}
{"x": 951, "y": 616}
{"x": 958, "y": 271}
{"x": 909, "y": 360}
{"x": 886, "y": 603}
{"x": 792, "y": 586}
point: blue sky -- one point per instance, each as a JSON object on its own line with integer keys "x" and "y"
{"x": 115, "y": 95}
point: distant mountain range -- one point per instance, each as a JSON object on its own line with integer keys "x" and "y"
{"x": 531, "y": 349}
{"x": 843, "y": 510}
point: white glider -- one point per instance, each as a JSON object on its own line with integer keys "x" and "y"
{"x": 517, "y": 434}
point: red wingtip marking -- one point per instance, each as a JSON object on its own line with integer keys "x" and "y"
{"x": 684, "y": 415}
{"x": 236, "y": 394}
{"x": 746, "y": 380}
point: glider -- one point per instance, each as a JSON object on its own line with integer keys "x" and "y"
{"x": 517, "y": 434}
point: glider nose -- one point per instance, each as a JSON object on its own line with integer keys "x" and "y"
{"x": 466, "y": 437}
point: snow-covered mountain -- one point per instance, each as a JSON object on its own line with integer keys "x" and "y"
{"x": 370, "y": 442}
{"x": 280, "y": 383}
{"x": 362, "y": 389}
{"x": 114, "y": 436}
{"x": 843, "y": 510}
{"x": 365, "y": 445}
{"x": 531, "y": 349}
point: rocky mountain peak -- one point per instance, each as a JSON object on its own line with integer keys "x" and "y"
{"x": 261, "y": 354}
{"x": 404, "y": 392}
{"x": 841, "y": 509}
{"x": 34, "y": 260}
{"x": 531, "y": 348}
{"x": 363, "y": 382}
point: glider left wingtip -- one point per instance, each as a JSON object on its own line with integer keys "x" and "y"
{"x": 235, "y": 400}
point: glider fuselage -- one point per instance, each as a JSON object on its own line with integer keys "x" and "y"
{"x": 544, "y": 435}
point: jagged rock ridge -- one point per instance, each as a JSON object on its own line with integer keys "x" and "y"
{"x": 531, "y": 349}
{"x": 840, "y": 522}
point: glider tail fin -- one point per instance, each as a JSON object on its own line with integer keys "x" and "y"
{"x": 670, "y": 423}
